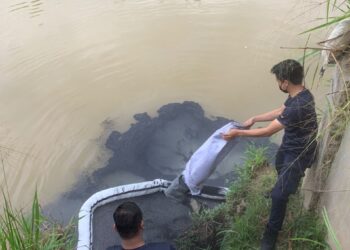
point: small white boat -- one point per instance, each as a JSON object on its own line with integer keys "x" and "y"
{"x": 164, "y": 219}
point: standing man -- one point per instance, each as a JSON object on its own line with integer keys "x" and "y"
{"x": 297, "y": 152}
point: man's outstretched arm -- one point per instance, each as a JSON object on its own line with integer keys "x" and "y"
{"x": 269, "y": 116}
{"x": 271, "y": 129}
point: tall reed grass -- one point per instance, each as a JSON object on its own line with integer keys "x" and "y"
{"x": 32, "y": 230}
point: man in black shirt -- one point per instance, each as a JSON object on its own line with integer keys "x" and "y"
{"x": 128, "y": 222}
{"x": 297, "y": 152}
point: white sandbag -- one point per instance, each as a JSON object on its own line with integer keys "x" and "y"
{"x": 337, "y": 41}
{"x": 204, "y": 161}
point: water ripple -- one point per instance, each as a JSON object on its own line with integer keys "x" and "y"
{"x": 33, "y": 8}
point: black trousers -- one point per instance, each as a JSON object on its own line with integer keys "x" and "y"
{"x": 290, "y": 169}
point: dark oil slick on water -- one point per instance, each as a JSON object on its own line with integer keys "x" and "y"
{"x": 154, "y": 147}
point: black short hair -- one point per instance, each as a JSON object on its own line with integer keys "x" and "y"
{"x": 289, "y": 70}
{"x": 127, "y": 218}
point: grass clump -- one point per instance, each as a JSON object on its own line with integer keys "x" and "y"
{"x": 239, "y": 222}
{"x": 255, "y": 160}
{"x": 302, "y": 229}
{"x": 33, "y": 231}
{"x": 205, "y": 231}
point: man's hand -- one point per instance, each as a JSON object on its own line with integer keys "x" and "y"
{"x": 248, "y": 123}
{"x": 232, "y": 133}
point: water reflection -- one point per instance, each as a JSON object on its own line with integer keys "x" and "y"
{"x": 18, "y": 6}
{"x": 34, "y": 8}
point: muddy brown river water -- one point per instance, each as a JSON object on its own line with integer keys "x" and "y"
{"x": 73, "y": 71}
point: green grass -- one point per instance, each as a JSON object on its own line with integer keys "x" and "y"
{"x": 251, "y": 210}
{"x": 302, "y": 229}
{"x": 254, "y": 160}
{"x": 330, "y": 230}
{"x": 343, "y": 8}
{"x": 206, "y": 228}
{"x": 239, "y": 222}
{"x": 32, "y": 231}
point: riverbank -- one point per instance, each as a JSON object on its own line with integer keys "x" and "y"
{"x": 236, "y": 224}
{"x": 240, "y": 221}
